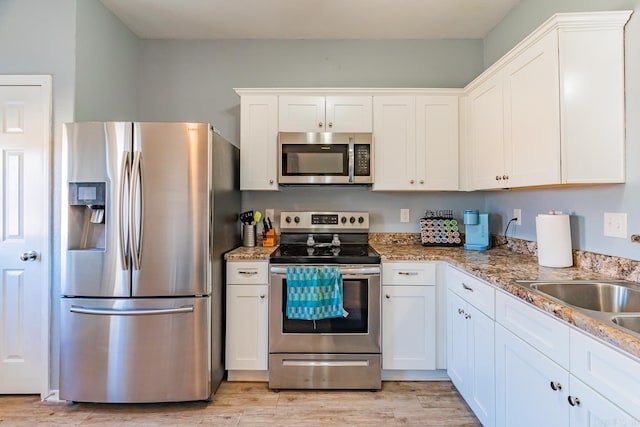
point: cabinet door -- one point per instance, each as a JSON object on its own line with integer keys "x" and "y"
{"x": 591, "y": 409}
{"x": 457, "y": 346}
{"x": 481, "y": 358}
{"x": 532, "y": 115}
{"x": 486, "y": 133}
{"x": 395, "y": 142}
{"x": 298, "y": 113}
{"x": 524, "y": 379}
{"x": 259, "y": 142}
{"x": 247, "y": 327}
{"x": 437, "y": 142}
{"x": 409, "y": 327}
{"x": 349, "y": 114}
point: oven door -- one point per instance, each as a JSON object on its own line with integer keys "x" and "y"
{"x": 359, "y": 332}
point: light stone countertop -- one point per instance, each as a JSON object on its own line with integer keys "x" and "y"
{"x": 498, "y": 266}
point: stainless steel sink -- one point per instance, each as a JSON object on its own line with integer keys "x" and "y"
{"x": 628, "y": 322}
{"x": 616, "y": 302}
{"x": 597, "y": 296}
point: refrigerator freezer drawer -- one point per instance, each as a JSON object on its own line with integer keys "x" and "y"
{"x": 135, "y": 350}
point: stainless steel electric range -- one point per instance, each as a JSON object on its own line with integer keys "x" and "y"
{"x": 336, "y": 353}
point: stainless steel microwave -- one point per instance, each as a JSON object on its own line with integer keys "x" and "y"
{"x": 325, "y": 158}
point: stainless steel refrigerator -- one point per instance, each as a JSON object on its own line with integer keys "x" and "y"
{"x": 148, "y": 211}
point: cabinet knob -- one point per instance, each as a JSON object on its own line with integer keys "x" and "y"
{"x": 460, "y": 311}
{"x": 271, "y": 181}
{"x": 498, "y": 178}
{"x": 387, "y": 296}
{"x": 330, "y": 124}
{"x": 573, "y": 401}
{"x": 555, "y": 386}
{"x": 411, "y": 181}
{"x": 467, "y": 316}
{"x": 263, "y": 296}
{"x": 422, "y": 181}
{"x": 505, "y": 177}
{"x": 319, "y": 124}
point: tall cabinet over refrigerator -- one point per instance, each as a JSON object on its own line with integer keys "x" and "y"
{"x": 148, "y": 210}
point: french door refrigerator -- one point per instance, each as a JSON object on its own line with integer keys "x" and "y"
{"x": 148, "y": 211}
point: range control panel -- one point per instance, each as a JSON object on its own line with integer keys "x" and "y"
{"x": 320, "y": 221}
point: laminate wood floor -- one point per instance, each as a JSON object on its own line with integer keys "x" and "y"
{"x": 434, "y": 403}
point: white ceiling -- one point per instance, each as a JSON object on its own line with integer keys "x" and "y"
{"x": 310, "y": 19}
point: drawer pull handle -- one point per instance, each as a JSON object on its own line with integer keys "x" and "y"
{"x": 407, "y": 273}
{"x": 460, "y": 311}
{"x": 248, "y": 273}
{"x": 573, "y": 401}
{"x": 555, "y": 386}
{"x": 469, "y": 288}
{"x": 467, "y": 316}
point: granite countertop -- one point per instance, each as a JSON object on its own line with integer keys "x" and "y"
{"x": 499, "y": 266}
{"x": 250, "y": 253}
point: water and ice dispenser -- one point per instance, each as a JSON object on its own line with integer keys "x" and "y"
{"x": 87, "y": 227}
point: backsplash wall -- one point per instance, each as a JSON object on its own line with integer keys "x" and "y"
{"x": 383, "y": 207}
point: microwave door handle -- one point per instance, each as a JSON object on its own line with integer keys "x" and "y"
{"x": 351, "y": 161}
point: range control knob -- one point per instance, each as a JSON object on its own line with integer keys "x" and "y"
{"x": 288, "y": 219}
{"x": 352, "y": 220}
{"x": 360, "y": 220}
{"x": 296, "y": 220}
{"x": 343, "y": 219}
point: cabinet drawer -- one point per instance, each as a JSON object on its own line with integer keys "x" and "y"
{"x": 540, "y": 330}
{"x": 409, "y": 273}
{"x": 251, "y": 273}
{"x": 614, "y": 374}
{"x": 474, "y": 291}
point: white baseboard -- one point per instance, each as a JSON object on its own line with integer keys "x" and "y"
{"x": 262, "y": 376}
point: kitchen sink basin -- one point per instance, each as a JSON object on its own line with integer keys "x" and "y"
{"x": 616, "y": 302}
{"x": 604, "y": 296}
{"x": 628, "y": 322}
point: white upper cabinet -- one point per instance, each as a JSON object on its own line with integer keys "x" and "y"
{"x": 552, "y": 110}
{"x": 300, "y": 113}
{"x": 259, "y": 142}
{"x": 416, "y": 142}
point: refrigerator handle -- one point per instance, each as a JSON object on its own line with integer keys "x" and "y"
{"x": 125, "y": 174}
{"x": 136, "y": 183}
{"x": 138, "y": 312}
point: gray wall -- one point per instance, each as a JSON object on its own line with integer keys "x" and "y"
{"x": 194, "y": 80}
{"x": 586, "y": 204}
{"x": 106, "y": 66}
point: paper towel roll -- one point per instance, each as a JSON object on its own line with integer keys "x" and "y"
{"x": 553, "y": 233}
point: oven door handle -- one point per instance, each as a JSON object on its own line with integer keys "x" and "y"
{"x": 346, "y": 271}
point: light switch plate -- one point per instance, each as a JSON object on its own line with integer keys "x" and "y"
{"x": 405, "y": 215}
{"x": 615, "y": 224}
{"x": 268, "y": 213}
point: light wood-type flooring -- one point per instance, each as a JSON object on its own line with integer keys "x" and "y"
{"x": 252, "y": 404}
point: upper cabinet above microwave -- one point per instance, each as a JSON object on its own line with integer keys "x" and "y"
{"x": 299, "y": 113}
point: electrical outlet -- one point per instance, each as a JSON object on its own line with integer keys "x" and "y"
{"x": 405, "y": 215}
{"x": 615, "y": 224}
{"x": 517, "y": 213}
{"x": 268, "y": 213}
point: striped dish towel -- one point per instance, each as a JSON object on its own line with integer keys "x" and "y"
{"x": 314, "y": 293}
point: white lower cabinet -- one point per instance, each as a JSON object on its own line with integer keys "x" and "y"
{"x": 247, "y": 333}
{"x": 547, "y": 373}
{"x": 408, "y": 327}
{"x": 470, "y": 342}
{"x": 530, "y": 387}
{"x": 409, "y": 316}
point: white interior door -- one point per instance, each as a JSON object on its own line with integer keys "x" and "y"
{"x": 25, "y": 123}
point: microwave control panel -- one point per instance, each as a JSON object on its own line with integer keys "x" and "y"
{"x": 362, "y": 157}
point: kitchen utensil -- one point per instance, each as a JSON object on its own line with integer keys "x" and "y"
{"x": 269, "y": 222}
{"x": 257, "y": 216}
{"x": 246, "y": 217}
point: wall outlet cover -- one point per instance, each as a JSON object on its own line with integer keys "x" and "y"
{"x": 615, "y": 224}
{"x": 405, "y": 215}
